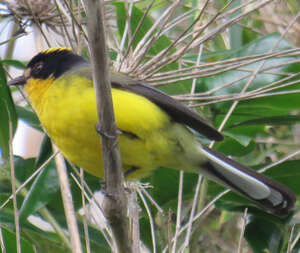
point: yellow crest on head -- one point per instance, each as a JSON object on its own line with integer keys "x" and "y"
{"x": 53, "y": 49}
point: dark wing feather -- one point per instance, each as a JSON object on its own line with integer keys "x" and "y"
{"x": 175, "y": 109}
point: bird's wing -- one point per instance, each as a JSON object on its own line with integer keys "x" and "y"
{"x": 175, "y": 109}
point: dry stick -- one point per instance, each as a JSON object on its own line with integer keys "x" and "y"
{"x": 257, "y": 71}
{"x": 206, "y": 209}
{"x": 245, "y": 96}
{"x": 159, "y": 209}
{"x": 179, "y": 205}
{"x": 43, "y": 211}
{"x": 76, "y": 21}
{"x": 85, "y": 225}
{"x": 199, "y": 183}
{"x": 135, "y": 225}
{"x": 115, "y": 204}
{"x": 208, "y": 69}
{"x": 2, "y": 244}
{"x": 295, "y": 241}
{"x": 235, "y": 103}
{"x": 60, "y": 10}
{"x": 146, "y": 42}
{"x": 68, "y": 202}
{"x": 28, "y": 180}
{"x": 159, "y": 61}
{"x": 159, "y": 64}
{"x": 190, "y": 222}
{"x": 179, "y": 20}
{"x": 165, "y": 51}
{"x": 244, "y": 220}
{"x": 234, "y": 63}
{"x": 151, "y": 220}
{"x": 126, "y": 33}
{"x": 93, "y": 201}
{"x": 289, "y": 249}
{"x": 129, "y": 47}
{"x": 287, "y": 157}
{"x": 13, "y": 187}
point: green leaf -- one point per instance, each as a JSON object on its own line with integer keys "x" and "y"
{"x": 232, "y": 146}
{"x": 250, "y": 117}
{"x": 275, "y": 120}
{"x": 264, "y": 235}
{"x": 49, "y": 242}
{"x": 13, "y": 63}
{"x": 28, "y": 117}
{"x": 7, "y": 115}
{"x": 166, "y": 194}
{"x": 45, "y": 185}
{"x": 44, "y": 242}
{"x": 240, "y": 138}
{"x": 23, "y": 167}
{"x": 280, "y": 103}
{"x": 9, "y": 240}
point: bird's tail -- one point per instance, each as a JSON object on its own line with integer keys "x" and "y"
{"x": 264, "y": 191}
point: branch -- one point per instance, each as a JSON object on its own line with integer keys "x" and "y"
{"x": 67, "y": 202}
{"x": 115, "y": 207}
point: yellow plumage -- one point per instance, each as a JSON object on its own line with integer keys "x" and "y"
{"x": 72, "y": 126}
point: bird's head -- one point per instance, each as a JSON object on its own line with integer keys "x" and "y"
{"x": 50, "y": 63}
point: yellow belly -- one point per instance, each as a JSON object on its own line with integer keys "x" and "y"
{"x": 68, "y": 113}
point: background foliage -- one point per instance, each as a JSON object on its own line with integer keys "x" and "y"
{"x": 235, "y": 62}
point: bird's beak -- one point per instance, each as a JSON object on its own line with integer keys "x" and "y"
{"x": 21, "y": 80}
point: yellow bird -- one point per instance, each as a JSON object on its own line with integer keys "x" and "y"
{"x": 154, "y": 129}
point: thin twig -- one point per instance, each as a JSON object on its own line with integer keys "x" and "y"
{"x": 295, "y": 241}
{"x": 68, "y": 203}
{"x": 115, "y": 204}
{"x": 289, "y": 249}
{"x": 151, "y": 199}
{"x": 13, "y": 186}
{"x": 190, "y": 222}
{"x": 150, "y": 219}
{"x": 134, "y": 212}
{"x": 2, "y": 244}
{"x": 85, "y": 225}
{"x": 135, "y": 34}
{"x": 207, "y": 208}
{"x": 93, "y": 201}
{"x": 287, "y": 157}
{"x": 244, "y": 223}
{"x": 178, "y": 216}
{"x": 36, "y": 172}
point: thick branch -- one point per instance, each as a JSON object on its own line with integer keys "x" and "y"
{"x": 116, "y": 204}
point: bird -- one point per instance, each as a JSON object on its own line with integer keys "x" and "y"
{"x": 154, "y": 129}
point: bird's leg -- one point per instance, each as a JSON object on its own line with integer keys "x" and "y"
{"x": 105, "y": 134}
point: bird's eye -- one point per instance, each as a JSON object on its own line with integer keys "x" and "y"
{"x": 38, "y": 67}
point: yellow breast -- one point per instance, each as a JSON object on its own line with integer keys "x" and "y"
{"x": 66, "y": 108}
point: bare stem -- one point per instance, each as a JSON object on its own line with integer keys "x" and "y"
{"x": 115, "y": 204}
{"x": 68, "y": 203}
{"x": 13, "y": 188}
